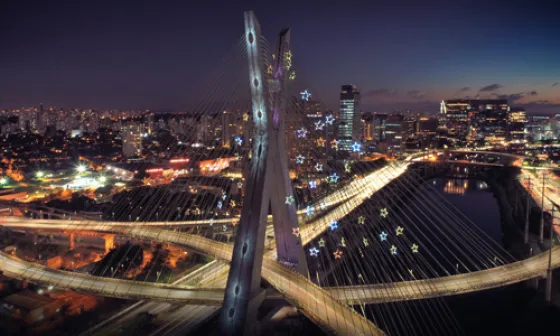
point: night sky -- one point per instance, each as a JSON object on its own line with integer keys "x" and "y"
{"x": 401, "y": 54}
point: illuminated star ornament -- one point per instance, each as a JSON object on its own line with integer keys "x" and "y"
{"x": 246, "y": 116}
{"x": 321, "y": 142}
{"x": 319, "y": 125}
{"x": 411, "y": 272}
{"x": 309, "y": 210}
{"x": 384, "y": 212}
{"x": 312, "y": 184}
{"x": 305, "y": 95}
{"x": 329, "y": 119}
{"x": 333, "y": 225}
{"x": 299, "y": 159}
{"x": 399, "y": 231}
{"x": 290, "y": 200}
{"x": 224, "y": 196}
{"x": 338, "y": 254}
{"x": 323, "y": 205}
{"x": 239, "y": 141}
{"x": 239, "y": 184}
{"x": 356, "y": 147}
{"x": 347, "y": 167}
{"x": 292, "y": 75}
{"x": 361, "y": 220}
{"x": 334, "y": 144}
{"x": 383, "y": 236}
{"x": 295, "y": 231}
{"x": 414, "y": 248}
{"x": 211, "y": 221}
{"x": 393, "y": 250}
{"x": 220, "y": 204}
{"x": 224, "y": 228}
{"x": 301, "y": 133}
{"x": 342, "y": 242}
{"x": 319, "y": 167}
{"x": 334, "y": 178}
{"x": 366, "y": 242}
{"x": 321, "y": 242}
{"x": 313, "y": 251}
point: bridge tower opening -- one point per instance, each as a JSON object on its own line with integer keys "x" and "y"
{"x": 268, "y": 183}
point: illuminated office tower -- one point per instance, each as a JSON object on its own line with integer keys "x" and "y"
{"x": 349, "y": 128}
{"x": 131, "y": 140}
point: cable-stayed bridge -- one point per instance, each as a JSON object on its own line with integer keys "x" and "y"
{"x": 351, "y": 235}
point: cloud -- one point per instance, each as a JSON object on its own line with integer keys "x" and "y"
{"x": 490, "y": 88}
{"x": 464, "y": 89}
{"x": 515, "y": 97}
{"x": 554, "y": 84}
{"x": 416, "y": 94}
{"x": 381, "y": 93}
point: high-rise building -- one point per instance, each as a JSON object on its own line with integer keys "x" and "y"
{"x": 349, "y": 127}
{"x": 131, "y": 135}
{"x": 472, "y": 120}
{"x": 517, "y": 118}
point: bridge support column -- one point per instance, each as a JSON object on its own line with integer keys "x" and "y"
{"x": 109, "y": 242}
{"x": 267, "y": 183}
{"x": 72, "y": 237}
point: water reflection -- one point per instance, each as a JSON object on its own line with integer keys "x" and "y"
{"x": 460, "y": 186}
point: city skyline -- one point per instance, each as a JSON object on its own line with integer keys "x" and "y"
{"x": 402, "y": 56}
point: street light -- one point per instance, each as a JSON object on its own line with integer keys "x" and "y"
{"x": 39, "y": 174}
{"x": 81, "y": 168}
{"x": 3, "y": 181}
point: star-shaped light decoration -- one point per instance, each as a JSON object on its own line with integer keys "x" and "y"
{"x": 292, "y": 75}
{"x": 224, "y": 228}
{"x": 361, "y": 220}
{"x": 211, "y": 221}
{"x": 245, "y": 116}
{"x": 329, "y": 119}
{"x": 269, "y": 69}
{"x": 295, "y": 231}
{"x": 299, "y": 159}
{"x": 383, "y": 236}
{"x": 333, "y": 178}
{"x": 313, "y": 251}
{"x": 321, "y": 142}
{"x": 319, "y": 167}
{"x": 301, "y": 133}
{"x": 224, "y": 196}
{"x": 323, "y": 205}
{"x": 411, "y": 273}
{"x": 356, "y": 147}
{"x": 338, "y": 254}
{"x": 290, "y": 200}
{"x": 334, "y": 144}
{"x": 220, "y": 204}
{"x": 393, "y": 250}
{"x": 342, "y": 242}
{"x": 384, "y": 212}
{"x": 366, "y": 242}
{"x": 309, "y": 211}
{"x": 312, "y": 184}
{"x": 399, "y": 231}
{"x": 239, "y": 184}
{"x": 347, "y": 167}
{"x": 414, "y": 248}
{"x": 232, "y": 203}
{"x": 321, "y": 242}
{"x": 333, "y": 225}
{"x": 319, "y": 125}
{"x": 239, "y": 141}
{"x": 234, "y": 222}
{"x": 305, "y": 95}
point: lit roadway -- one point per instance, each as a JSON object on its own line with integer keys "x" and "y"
{"x": 311, "y": 299}
{"x": 314, "y": 301}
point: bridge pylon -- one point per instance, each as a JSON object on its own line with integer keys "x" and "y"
{"x": 267, "y": 183}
